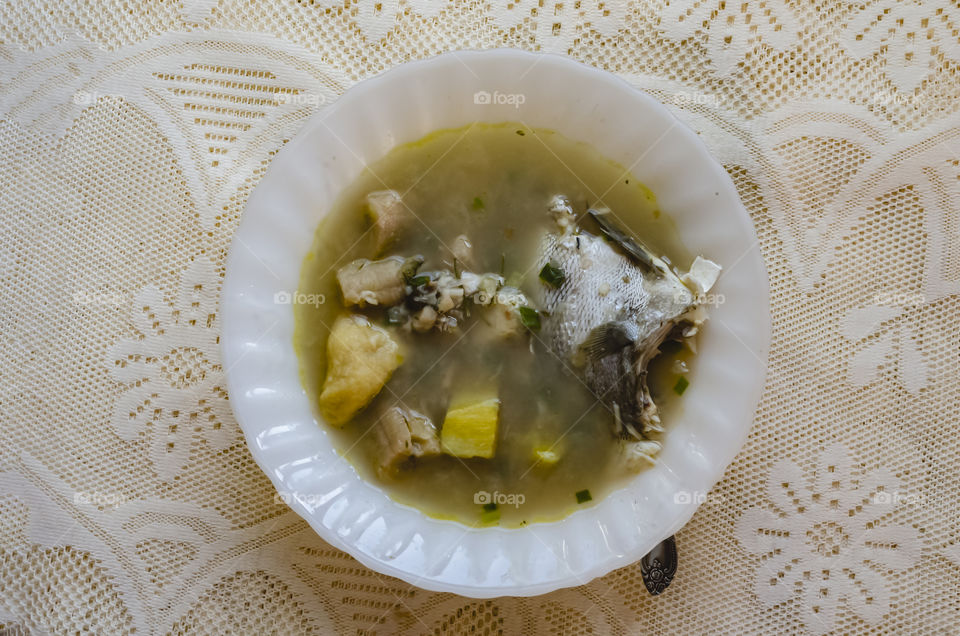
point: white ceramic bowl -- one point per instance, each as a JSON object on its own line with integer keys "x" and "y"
{"x": 292, "y": 446}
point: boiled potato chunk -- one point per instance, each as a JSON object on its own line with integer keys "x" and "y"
{"x": 361, "y": 358}
{"x": 471, "y": 430}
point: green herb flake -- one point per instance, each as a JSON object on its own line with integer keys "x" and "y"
{"x": 478, "y": 203}
{"x": 521, "y": 133}
{"x": 416, "y": 281}
{"x": 530, "y": 318}
{"x": 456, "y": 268}
{"x": 552, "y": 275}
{"x": 490, "y": 514}
{"x": 503, "y": 263}
{"x": 681, "y": 385}
{"x": 410, "y": 267}
{"x": 583, "y": 496}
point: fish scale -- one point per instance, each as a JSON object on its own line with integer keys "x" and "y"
{"x": 610, "y": 337}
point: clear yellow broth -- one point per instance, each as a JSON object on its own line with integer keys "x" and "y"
{"x": 492, "y": 183}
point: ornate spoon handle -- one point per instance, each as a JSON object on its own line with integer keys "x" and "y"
{"x": 659, "y": 566}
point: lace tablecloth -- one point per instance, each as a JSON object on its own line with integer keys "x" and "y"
{"x": 131, "y": 136}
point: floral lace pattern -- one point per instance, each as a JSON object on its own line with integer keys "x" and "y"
{"x": 821, "y": 536}
{"x": 132, "y": 137}
{"x": 176, "y": 391}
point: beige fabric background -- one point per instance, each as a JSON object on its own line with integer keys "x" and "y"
{"x": 131, "y": 135}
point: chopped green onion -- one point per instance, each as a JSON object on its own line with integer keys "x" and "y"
{"x": 530, "y": 318}
{"x": 521, "y": 133}
{"x": 477, "y": 203}
{"x": 552, "y": 275}
{"x": 681, "y": 385}
{"x": 410, "y": 267}
{"x": 416, "y": 281}
{"x": 490, "y": 514}
{"x": 456, "y": 269}
{"x": 583, "y": 496}
{"x": 503, "y": 262}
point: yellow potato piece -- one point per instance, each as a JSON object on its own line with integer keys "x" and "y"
{"x": 361, "y": 358}
{"x": 471, "y": 431}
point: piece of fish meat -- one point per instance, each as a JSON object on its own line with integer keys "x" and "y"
{"x": 390, "y": 217}
{"x": 402, "y": 433}
{"x": 365, "y": 282}
{"x": 617, "y": 303}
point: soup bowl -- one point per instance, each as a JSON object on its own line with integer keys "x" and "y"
{"x": 290, "y": 441}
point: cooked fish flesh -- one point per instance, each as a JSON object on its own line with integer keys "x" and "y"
{"x": 462, "y": 250}
{"x": 422, "y": 301}
{"x": 401, "y": 434}
{"x": 366, "y": 282}
{"x": 389, "y": 216}
{"x": 615, "y": 306}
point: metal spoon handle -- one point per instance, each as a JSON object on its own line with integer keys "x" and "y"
{"x": 659, "y": 566}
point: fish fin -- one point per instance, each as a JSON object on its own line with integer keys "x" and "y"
{"x": 634, "y": 248}
{"x": 608, "y": 338}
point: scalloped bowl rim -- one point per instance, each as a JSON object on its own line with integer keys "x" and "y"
{"x": 290, "y": 444}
